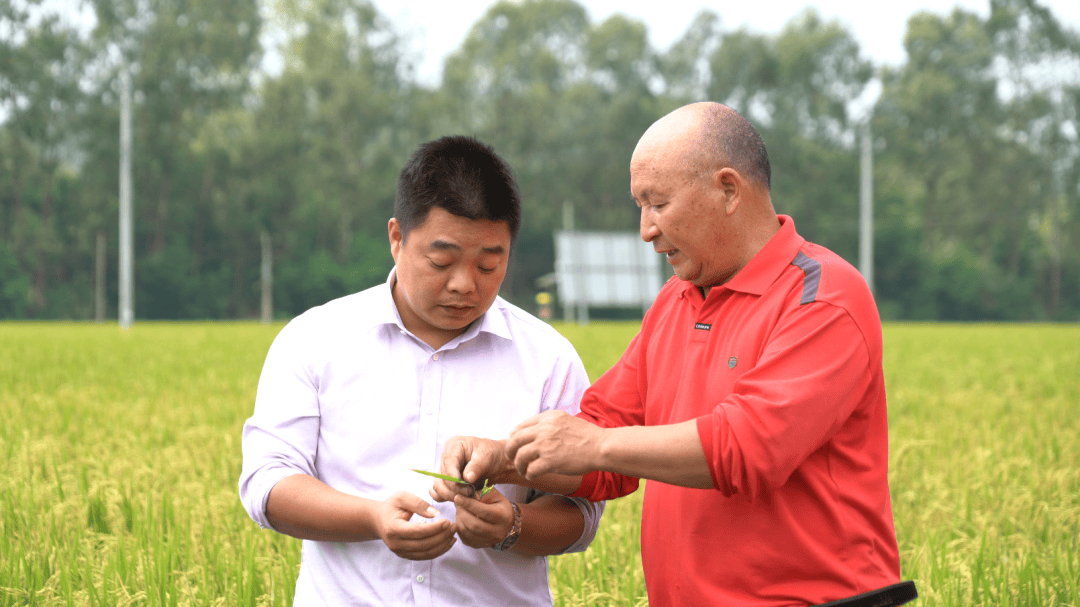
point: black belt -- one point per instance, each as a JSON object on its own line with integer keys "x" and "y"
{"x": 889, "y": 596}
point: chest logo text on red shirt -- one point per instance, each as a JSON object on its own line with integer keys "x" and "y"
{"x": 702, "y": 326}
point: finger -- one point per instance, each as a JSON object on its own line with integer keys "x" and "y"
{"x": 482, "y": 459}
{"x": 532, "y": 463}
{"x": 413, "y": 504}
{"x": 537, "y": 468}
{"x": 525, "y": 456}
{"x": 477, "y": 540}
{"x": 454, "y": 456}
{"x": 486, "y": 513}
{"x": 403, "y": 533}
{"x": 445, "y": 491}
{"x": 418, "y": 552}
{"x": 476, "y": 533}
{"x": 519, "y": 438}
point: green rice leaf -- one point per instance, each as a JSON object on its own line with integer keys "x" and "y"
{"x": 445, "y": 477}
{"x": 453, "y": 479}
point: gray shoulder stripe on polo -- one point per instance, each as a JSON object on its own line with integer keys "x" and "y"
{"x": 812, "y": 270}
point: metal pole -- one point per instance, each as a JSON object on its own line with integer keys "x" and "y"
{"x": 866, "y": 209}
{"x": 127, "y": 292}
{"x": 267, "y": 278}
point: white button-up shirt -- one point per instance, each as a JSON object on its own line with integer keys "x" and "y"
{"x": 349, "y": 396}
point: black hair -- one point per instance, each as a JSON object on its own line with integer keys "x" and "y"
{"x": 730, "y": 140}
{"x": 461, "y": 175}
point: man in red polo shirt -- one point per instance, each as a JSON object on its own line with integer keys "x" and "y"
{"x": 753, "y": 398}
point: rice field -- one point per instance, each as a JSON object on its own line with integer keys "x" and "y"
{"x": 120, "y": 453}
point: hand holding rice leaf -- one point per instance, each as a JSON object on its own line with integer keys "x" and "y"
{"x": 453, "y": 479}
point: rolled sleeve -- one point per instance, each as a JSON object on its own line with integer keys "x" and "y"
{"x": 590, "y": 511}
{"x": 789, "y": 405}
{"x": 281, "y": 438}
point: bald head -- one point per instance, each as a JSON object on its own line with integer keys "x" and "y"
{"x": 705, "y": 137}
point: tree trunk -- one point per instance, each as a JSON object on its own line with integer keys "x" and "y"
{"x": 162, "y": 216}
{"x": 237, "y": 300}
{"x": 198, "y": 221}
{"x": 37, "y": 291}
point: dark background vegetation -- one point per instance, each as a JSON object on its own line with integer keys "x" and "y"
{"x": 977, "y": 161}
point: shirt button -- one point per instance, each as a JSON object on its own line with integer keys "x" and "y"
{"x": 435, "y": 357}
{"x": 420, "y": 579}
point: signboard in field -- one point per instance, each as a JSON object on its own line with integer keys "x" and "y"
{"x": 605, "y": 269}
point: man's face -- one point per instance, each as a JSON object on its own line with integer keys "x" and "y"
{"x": 449, "y": 271}
{"x": 683, "y": 216}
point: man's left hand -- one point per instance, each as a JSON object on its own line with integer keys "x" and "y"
{"x": 554, "y": 441}
{"x": 484, "y": 522}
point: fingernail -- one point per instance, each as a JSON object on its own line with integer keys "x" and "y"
{"x": 432, "y": 512}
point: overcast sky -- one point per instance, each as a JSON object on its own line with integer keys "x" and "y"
{"x": 437, "y": 27}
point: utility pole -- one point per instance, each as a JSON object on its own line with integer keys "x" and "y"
{"x": 127, "y": 282}
{"x": 866, "y": 208}
{"x": 267, "y": 278}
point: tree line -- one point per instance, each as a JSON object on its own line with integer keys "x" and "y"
{"x": 976, "y": 167}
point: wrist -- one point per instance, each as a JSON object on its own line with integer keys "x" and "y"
{"x": 515, "y": 530}
{"x": 504, "y": 472}
{"x": 604, "y": 452}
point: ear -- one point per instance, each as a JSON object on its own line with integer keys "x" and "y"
{"x": 733, "y": 185}
{"x": 394, "y": 230}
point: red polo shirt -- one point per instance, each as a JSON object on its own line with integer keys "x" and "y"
{"x": 781, "y": 368}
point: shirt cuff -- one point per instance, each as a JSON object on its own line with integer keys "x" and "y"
{"x": 706, "y": 425}
{"x": 256, "y": 491}
{"x": 587, "y": 486}
{"x": 590, "y": 511}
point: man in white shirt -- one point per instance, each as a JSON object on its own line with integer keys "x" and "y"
{"x": 356, "y": 392}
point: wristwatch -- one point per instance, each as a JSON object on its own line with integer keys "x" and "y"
{"x": 515, "y": 531}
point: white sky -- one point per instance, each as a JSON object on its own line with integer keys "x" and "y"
{"x": 435, "y": 28}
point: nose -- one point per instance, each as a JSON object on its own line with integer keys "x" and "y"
{"x": 649, "y": 231}
{"x": 461, "y": 281}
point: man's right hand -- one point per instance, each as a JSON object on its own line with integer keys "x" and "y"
{"x": 472, "y": 459}
{"x": 413, "y": 541}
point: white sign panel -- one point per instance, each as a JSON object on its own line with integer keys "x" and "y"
{"x": 610, "y": 269}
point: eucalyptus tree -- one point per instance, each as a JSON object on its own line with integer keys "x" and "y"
{"x": 565, "y": 101}
{"x": 1038, "y": 73}
{"x": 331, "y": 132}
{"x": 40, "y": 66}
{"x": 798, "y": 87}
{"x": 979, "y": 149}
{"x": 189, "y": 60}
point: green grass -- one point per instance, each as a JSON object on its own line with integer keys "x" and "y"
{"x": 121, "y": 453}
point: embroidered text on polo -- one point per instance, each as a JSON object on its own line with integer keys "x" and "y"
{"x": 702, "y": 326}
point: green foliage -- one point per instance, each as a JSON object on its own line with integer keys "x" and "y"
{"x": 13, "y": 286}
{"x": 977, "y": 165}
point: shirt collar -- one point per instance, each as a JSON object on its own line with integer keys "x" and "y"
{"x": 767, "y": 265}
{"x": 492, "y": 321}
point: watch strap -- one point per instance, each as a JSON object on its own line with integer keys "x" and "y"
{"x": 515, "y": 531}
